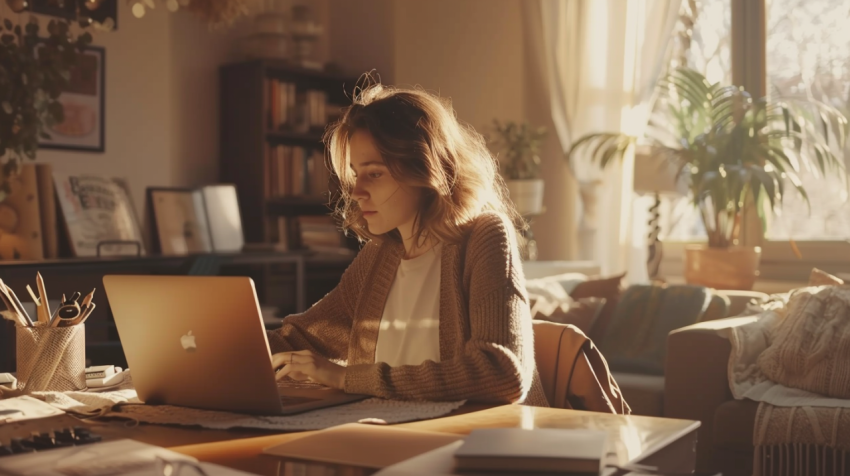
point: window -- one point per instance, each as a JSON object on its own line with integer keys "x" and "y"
{"x": 707, "y": 49}
{"x": 808, "y": 55}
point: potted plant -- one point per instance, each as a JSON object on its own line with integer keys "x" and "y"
{"x": 33, "y": 73}
{"x": 735, "y": 153}
{"x": 518, "y": 148}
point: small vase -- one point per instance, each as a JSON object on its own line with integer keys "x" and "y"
{"x": 527, "y": 196}
{"x": 735, "y": 267}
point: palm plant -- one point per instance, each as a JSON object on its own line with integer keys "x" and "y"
{"x": 734, "y": 151}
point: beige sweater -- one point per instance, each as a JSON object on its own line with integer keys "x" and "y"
{"x": 486, "y": 337}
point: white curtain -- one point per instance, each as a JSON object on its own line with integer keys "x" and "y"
{"x": 602, "y": 60}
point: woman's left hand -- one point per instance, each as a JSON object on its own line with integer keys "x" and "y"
{"x": 305, "y": 365}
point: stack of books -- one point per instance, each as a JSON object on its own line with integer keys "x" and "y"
{"x": 294, "y": 171}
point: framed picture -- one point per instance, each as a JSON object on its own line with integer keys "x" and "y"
{"x": 179, "y": 221}
{"x": 66, "y": 9}
{"x": 83, "y": 102}
{"x": 99, "y": 215}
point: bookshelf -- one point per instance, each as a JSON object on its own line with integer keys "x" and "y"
{"x": 273, "y": 116}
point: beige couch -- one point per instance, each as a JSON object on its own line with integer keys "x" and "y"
{"x": 696, "y": 387}
{"x": 647, "y": 394}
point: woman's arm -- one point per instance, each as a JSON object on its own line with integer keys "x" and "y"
{"x": 325, "y": 328}
{"x": 497, "y": 361}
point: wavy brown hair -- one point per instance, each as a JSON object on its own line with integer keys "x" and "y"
{"x": 423, "y": 145}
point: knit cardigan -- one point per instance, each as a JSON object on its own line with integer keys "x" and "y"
{"x": 486, "y": 336}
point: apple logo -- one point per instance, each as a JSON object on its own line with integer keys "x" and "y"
{"x": 188, "y": 342}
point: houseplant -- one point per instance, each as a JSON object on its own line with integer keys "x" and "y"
{"x": 33, "y": 73}
{"x": 736, "y": 153}
{"x": 518, "y": 148}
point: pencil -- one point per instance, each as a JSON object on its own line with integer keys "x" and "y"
{"x": 44, "y": 309}
{"x": 33, "y": 296}
{"x": 85, "y": 316}
{"x": 87, "y": 299}
{"x": 19, "y": 305}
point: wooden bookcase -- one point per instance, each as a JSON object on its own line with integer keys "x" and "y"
{"x": 247, "y": 134}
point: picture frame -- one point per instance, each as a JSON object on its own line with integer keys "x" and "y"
{"x": 84, "y": 104}
{"x": 99, "y": 215}
{"x": 178, "y": 221}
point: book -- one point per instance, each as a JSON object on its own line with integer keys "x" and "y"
{"x": 98, "y": 209}
{"x": 225, "y": 223}
{"x": 20, "y": 221}
{"x": 363, "y": 446}
{"x": 202, "y": 220}
{"x": 537, "y": 450}
{"x": 47, "y": 209}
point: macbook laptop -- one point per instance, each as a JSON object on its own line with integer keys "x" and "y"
{"x": 200, "y": 342}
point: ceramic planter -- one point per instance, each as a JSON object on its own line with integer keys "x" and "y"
{"x": 527, "y": 195}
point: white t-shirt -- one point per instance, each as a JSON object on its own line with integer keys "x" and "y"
{"x": 410, "y": 326}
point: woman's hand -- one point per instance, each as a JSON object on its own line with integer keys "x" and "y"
{"x": 305, "y": 365}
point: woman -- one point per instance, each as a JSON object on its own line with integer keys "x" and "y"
{"x": 434, "y": 306}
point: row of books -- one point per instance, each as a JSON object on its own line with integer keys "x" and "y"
{"x": 299, "y": 110}
{"x": 315, "y": 232}
{"x": 293, "y": 170}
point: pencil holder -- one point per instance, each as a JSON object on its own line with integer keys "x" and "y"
{"x": 51, "y": 358}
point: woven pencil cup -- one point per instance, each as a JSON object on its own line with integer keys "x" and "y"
{"x": 51, "y": 358}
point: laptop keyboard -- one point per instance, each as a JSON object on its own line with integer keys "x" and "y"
{"x": 287, "y": 400}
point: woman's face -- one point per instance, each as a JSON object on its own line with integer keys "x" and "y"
{"x": 385, "y": 203}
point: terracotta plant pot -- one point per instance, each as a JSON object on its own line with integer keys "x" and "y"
{"x": 527, "y": 195}
{"x": 722, "y": 268}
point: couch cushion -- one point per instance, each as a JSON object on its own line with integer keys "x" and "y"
{"x": 643, "y": 393}
{"x": 733, "y": 425}
{"x": 636, "y": 340}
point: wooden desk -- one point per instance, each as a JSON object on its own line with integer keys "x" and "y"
{"x": 666, "y": 443}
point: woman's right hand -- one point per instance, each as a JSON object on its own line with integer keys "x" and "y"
{"x": 305, "y": 365}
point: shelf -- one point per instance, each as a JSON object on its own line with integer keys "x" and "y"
{"x": 309, "y": 139}
{"x": 297, "y": 205}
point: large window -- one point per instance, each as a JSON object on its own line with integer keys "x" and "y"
{"x": 808, "y": 55}
{"x": 707, "y": 48}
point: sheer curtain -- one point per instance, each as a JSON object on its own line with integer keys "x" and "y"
{"x": 602, "y": 59}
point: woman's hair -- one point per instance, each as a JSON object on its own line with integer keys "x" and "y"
{"x": 423, "y": 145}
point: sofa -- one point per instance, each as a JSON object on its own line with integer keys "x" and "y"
{"x": 595, "y": 304}
{"x": 696, "y": 387}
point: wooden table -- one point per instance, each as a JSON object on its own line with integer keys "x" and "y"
{"x": 662, "y": 442}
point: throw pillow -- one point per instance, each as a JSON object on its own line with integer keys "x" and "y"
{"x": 608, "y": 289}
{"x": 581, "y": 313}
{"x": 811, "y": 344}
{"x": 636, "y": 340}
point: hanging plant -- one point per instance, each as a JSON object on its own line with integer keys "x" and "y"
{"x": 33, "y": 73}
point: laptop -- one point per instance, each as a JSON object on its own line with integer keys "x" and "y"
{"x": 199, "y": 341}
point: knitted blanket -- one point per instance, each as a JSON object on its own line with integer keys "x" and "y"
{"x": 796, "y": 431}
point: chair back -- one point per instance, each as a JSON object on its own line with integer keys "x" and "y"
{"x": 553, "y": 364}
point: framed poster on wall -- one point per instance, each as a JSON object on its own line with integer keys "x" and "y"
{"x": 83, "y": 103}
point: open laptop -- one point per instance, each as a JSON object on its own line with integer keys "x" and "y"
{"x": 200, "y": 342}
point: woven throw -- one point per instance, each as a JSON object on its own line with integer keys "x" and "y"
{"x": 801, "y": 440}
{"x": 124, "y": 403}
{"x": 810, "y": 346}
{"x": 51, "y": 358}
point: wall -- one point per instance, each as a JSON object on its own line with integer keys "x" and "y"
{"x": 472, "y": 51}
{"x": 161, "y": 103}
